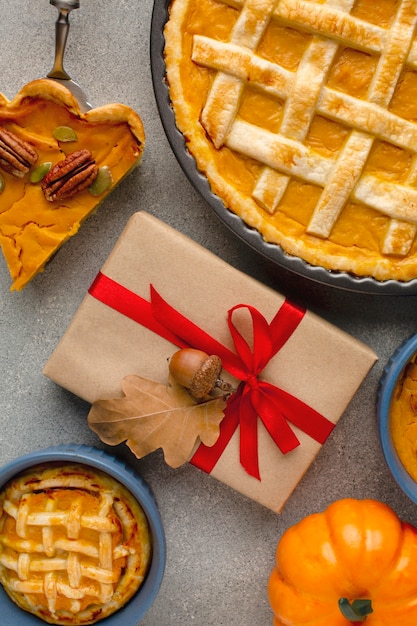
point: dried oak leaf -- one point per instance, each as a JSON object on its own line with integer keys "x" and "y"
{"x": 152, "y": 415}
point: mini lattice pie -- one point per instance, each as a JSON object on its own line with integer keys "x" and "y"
{"x": 74, "y": 543}
{"x": 303, "y": 116}
{"x": 56, "y": 166}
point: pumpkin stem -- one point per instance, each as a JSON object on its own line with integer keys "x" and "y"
{"x": 355, "y": 611}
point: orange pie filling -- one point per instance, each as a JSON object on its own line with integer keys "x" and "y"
{"x": 32, "y": 228}
{"x": 303, "y": 117}
{"x": 403, "y": 418}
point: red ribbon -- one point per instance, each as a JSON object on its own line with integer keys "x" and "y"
{"x": 254, "y": 398}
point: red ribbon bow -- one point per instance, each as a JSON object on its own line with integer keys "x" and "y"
{"x": 254, "y": 397}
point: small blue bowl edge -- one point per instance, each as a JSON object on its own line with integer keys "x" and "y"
{"x": 387, "y": 385}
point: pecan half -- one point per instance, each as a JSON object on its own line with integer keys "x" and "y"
{"x": 16, "y": 155}
{"x": 75, "y": 173}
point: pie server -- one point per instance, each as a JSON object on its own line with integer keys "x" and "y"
{"x": 58, "y": 73}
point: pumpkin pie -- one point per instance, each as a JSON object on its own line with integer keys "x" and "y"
{"x": 303, "y": 117}
{"x": 56, "y": 166}
{"x": 74, "y": 543}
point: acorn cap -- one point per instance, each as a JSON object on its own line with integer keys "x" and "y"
{"x": 206, "y": 376}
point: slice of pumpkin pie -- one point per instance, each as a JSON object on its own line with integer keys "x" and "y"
{"x": 56, "y": 166}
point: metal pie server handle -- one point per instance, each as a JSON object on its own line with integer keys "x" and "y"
{"x": 58, "y": 73}
{"x": 61, "y": 33}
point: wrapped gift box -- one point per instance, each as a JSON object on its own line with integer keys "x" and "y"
{"x": 318, "y": 364}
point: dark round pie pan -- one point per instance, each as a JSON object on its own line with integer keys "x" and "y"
{"x": 250, "y": 236}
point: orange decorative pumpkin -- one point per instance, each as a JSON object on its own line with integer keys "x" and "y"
{"x": 356, "y": 562}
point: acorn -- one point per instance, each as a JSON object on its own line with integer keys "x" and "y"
{"x": 198, "y": 372}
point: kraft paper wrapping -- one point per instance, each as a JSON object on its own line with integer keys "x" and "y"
{"x": 320, "y": 364}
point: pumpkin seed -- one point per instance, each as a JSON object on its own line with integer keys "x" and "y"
{"x": 65, "y": 133}
{"x": 2, "y": 183}
{"x": 40, "y": 172}
{"x": 102, "y": 182}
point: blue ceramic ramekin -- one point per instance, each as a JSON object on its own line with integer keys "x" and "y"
{"x": 134, "y": 611}
{"x": 389, "y": 379}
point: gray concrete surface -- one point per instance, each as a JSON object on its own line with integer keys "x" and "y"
{"x": 220, "y": 544}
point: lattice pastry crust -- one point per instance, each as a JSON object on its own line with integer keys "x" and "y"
{"x": 74, "y": 543}
{"x": 303, "y": 117}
